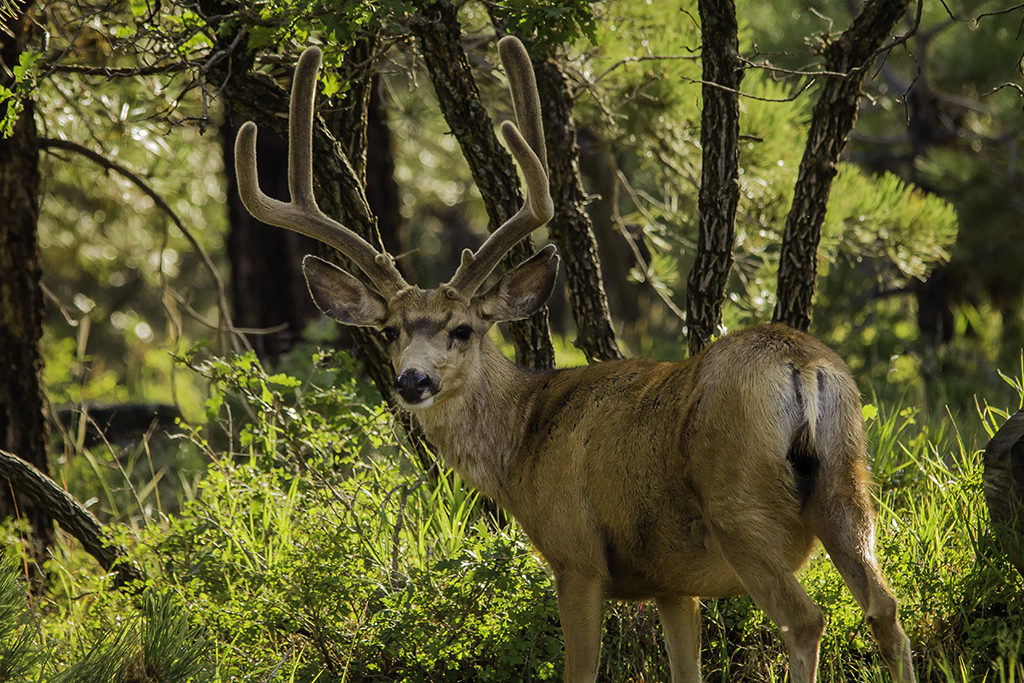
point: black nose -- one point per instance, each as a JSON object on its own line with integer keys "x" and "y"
{"x": 413, "y": 386}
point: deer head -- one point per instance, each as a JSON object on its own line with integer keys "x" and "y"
{"x": 435, "y": 337}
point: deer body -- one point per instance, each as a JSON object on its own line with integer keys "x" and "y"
{"x": 627, "y": 495}
{"x": 592, "y": 500}
{"x": 635, "y": 479}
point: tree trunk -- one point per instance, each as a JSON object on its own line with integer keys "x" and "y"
{"x": 22, "y": 401}
{"x": 436, "y": 27}
{"x": 833, "y": 117}
{"x": 571, "y": 228}
{"x": 1004, "y": 487}
{"x": 719, "y": 187}
{"x": 628, "y": 300}
{"x": 268, "y": 289}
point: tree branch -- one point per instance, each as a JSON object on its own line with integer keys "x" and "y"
{"x": 110, "y": 164}
{"x": 71, "y": 516}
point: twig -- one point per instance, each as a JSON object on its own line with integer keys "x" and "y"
{"x": 792, "y": 98}
{"x": 1007, "y": 10}
{"x": 1012, "y": 86}
{"x": 135, "y": 179}
{"x": 648, "y": 272}
{"x": 641, "y": 58}
{"x": 110, "y": 74}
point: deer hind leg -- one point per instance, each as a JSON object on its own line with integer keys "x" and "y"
{"x": 769, "y": 581}
{"x": 680, "y": 621}
{"x": 846, "y": 530}
{"x": 580, "y": 602}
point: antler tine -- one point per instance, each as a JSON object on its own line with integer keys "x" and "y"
{"x": 302, "y": 214}
{"x": 525, "y": 97}
{"x": 528, "y": 150}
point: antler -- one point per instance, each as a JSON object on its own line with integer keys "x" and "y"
{"x": 302, "y": 214}
{"x": 528, "y": 150}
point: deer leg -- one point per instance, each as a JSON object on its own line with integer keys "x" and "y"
{"x": 769, "y": 581}
{"x": 680, "y": 621}
{"x": 846, "y": 530}
{"x": 580, "y": 601}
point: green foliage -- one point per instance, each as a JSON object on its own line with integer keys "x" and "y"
{"x": 151, "y": 642}
{"x": 347, "y": 20}
{"x": 550, "y": 21}
{"x": 281, "y": 23}
{"x": 19, "y": 653}
{"x": 310, "y": 550}
{"x": 12, "y": 98}
{"x": 960, "y": 596}
{"x": 158, "y": 644}
{"x": 647, "y": 108}
{"x": 885, "y": 219}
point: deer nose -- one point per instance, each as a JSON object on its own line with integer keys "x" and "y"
{"x": 413, "y": 386}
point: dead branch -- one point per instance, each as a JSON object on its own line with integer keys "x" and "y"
{"x": 71, "y": 516}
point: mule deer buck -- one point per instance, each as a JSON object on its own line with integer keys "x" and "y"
{"x": 635, "y": 479}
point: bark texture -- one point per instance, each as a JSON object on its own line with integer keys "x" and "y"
{"x": 847, "y": 60}
{"x": 352, "y": 113}
{"x": 571, "y": 227}
{"x": 69, "y": 513}
{"x": 22, "y": 401}
{"x": 1004, "y": 486}
{"x": 439, "y": 34}
{"x": 719, "y": 186}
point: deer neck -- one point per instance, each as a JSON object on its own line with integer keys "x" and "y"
{"x": 479, "y": 430}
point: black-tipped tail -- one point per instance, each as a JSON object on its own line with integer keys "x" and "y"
{"x": 803, "y": 457}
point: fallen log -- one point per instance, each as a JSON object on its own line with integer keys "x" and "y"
{"x": 71, "y": 516}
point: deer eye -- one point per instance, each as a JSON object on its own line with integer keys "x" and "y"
{"x": 462, "y": 333}
{"x": 390, "y": 334}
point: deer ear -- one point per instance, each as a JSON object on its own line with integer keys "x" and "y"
{"x": 523, "y": 291}
{"x": 342, "y": 296}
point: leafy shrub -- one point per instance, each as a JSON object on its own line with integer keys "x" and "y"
{"x": 316, "y": 549}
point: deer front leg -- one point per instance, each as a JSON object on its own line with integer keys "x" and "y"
{"x": 680, "y": 621}
{"x": 579, "y": 609}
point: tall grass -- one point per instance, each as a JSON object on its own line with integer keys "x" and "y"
{"x": 313, "y": 549}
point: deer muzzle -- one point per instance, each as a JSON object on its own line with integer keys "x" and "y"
{"x": 416, "y": 389}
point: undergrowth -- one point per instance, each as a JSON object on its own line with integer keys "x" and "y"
{"x": 313, "y": 548}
